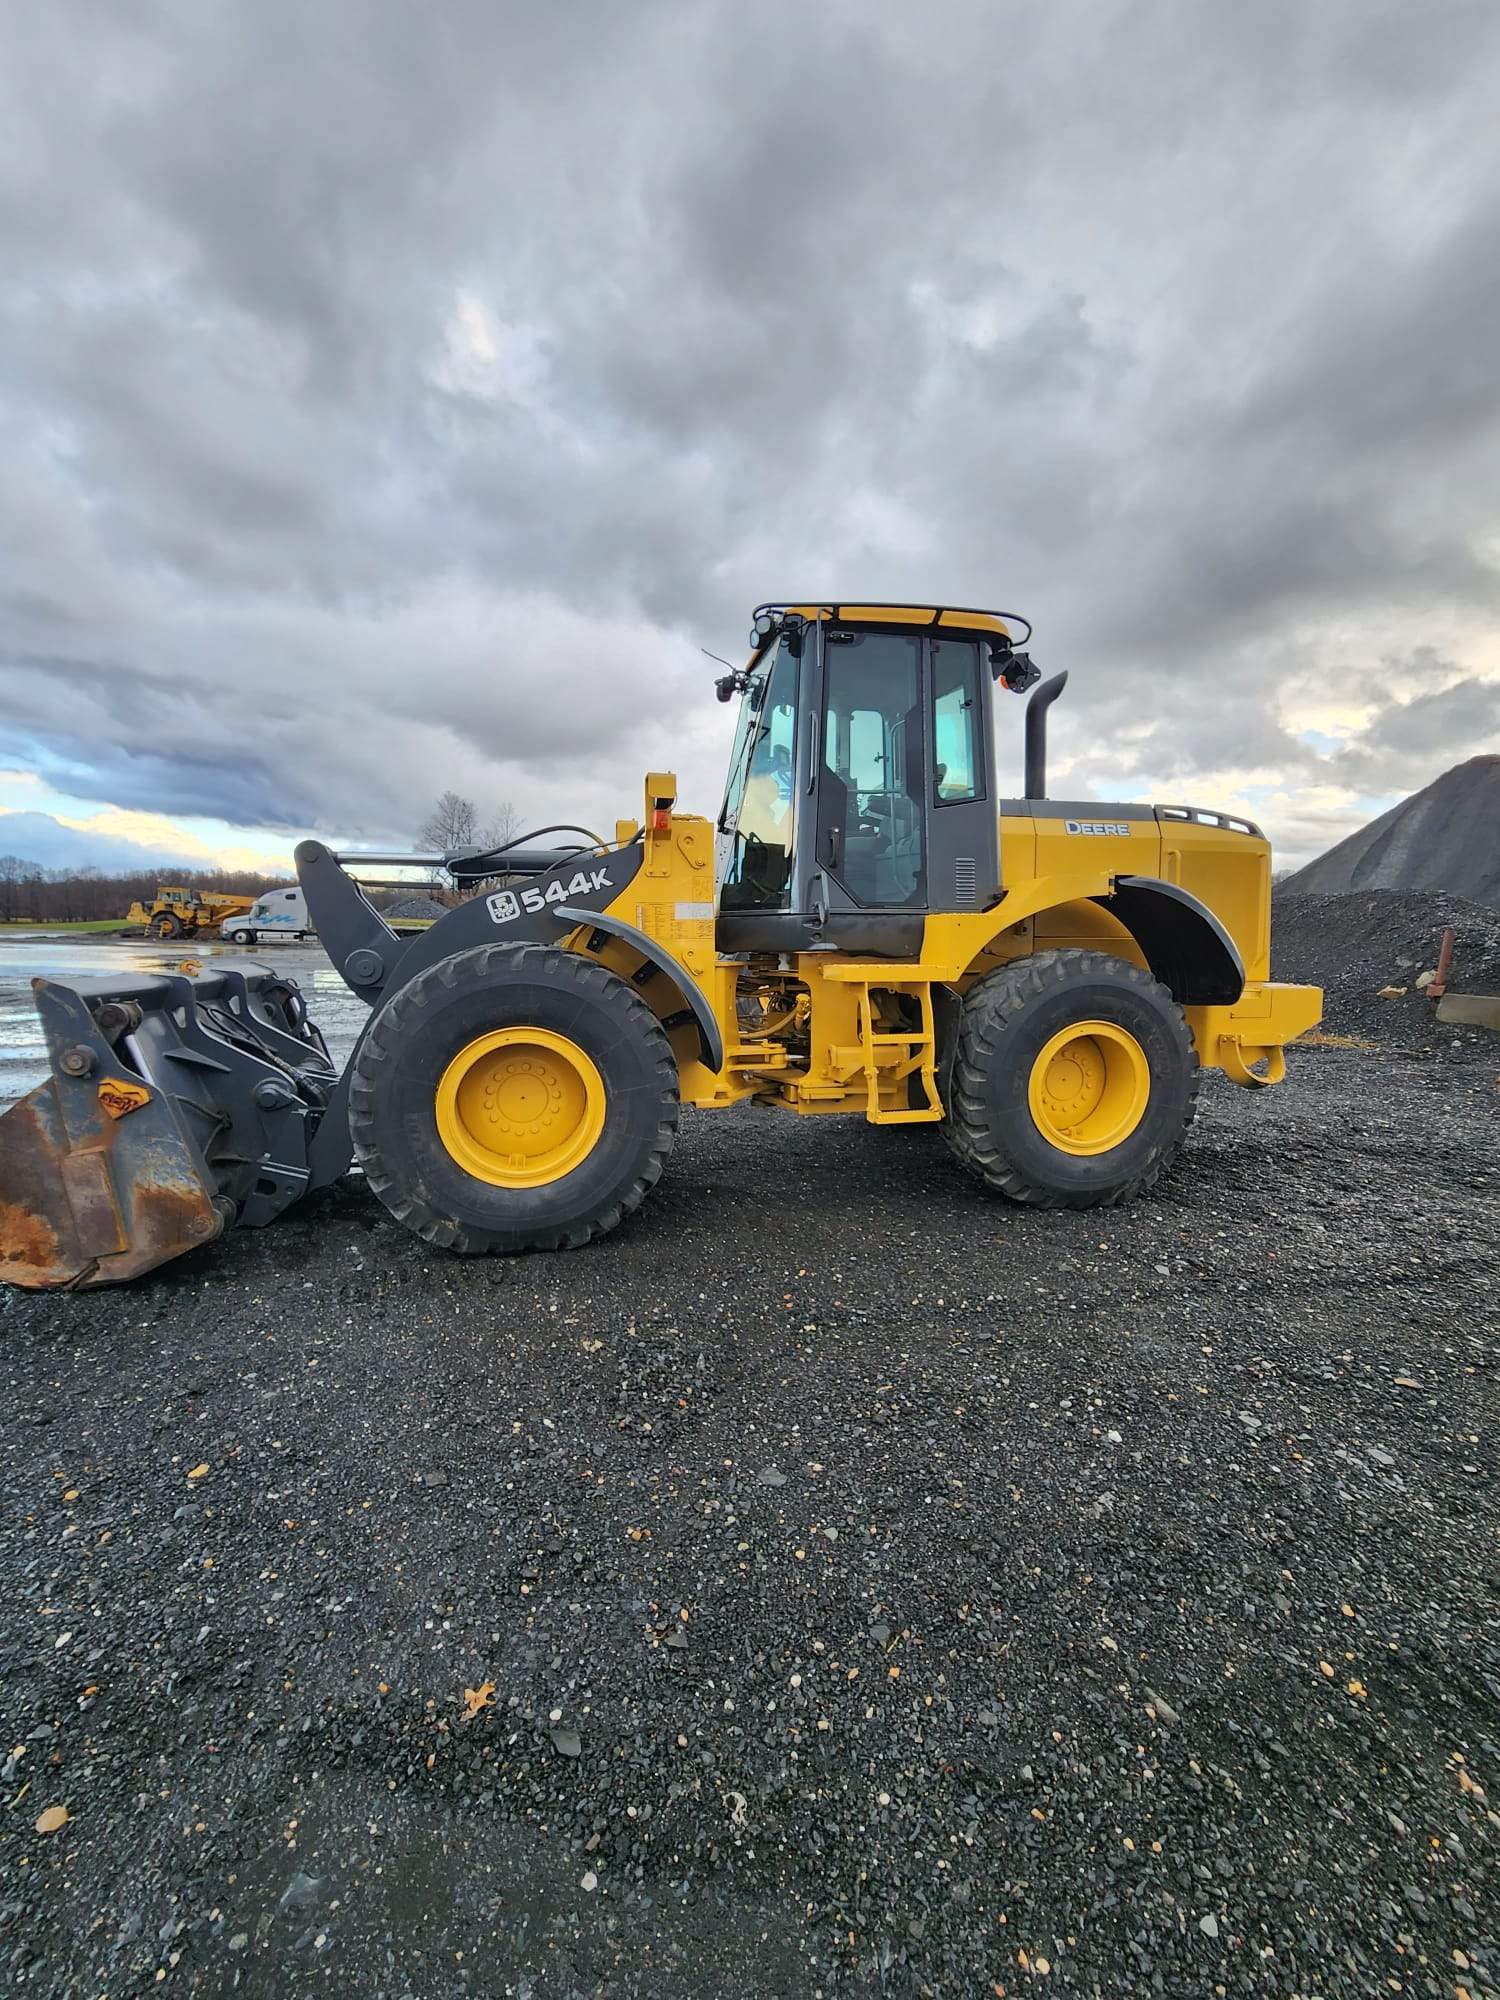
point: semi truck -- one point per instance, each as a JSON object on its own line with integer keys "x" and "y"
{"x": 278, "y": 913}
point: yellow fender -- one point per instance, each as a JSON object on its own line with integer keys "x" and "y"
{"x": 952, "y": 941}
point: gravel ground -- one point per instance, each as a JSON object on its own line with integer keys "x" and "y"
{"x": 864, "y": 1587}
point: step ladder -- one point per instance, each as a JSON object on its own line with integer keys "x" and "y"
{"x": 918, "y": 1057}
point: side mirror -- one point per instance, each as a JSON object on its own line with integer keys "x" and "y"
{"x": 1013, "y": 670}
{"x": 727, "y": 686}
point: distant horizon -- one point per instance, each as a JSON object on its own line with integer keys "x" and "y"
{"x": 62, "y": 840}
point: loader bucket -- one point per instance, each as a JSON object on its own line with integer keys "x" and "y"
{"x": 176, "y": 1106}
{"x": 89, "y": 1196}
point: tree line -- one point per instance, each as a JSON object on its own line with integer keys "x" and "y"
{"x": 31, "y": 894}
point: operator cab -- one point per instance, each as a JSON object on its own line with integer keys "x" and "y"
{"x": 861, "y": 789}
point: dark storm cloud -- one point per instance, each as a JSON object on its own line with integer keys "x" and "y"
{"x": 394, "y": 397}
{"x": 1407, "y": 740}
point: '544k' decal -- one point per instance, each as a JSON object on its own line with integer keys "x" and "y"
{"x": 507, "y": 904}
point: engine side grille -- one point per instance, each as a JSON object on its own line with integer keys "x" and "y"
{"x": 964, "y": 872}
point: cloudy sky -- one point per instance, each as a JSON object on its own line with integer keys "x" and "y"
{"x": 395, "y": 397}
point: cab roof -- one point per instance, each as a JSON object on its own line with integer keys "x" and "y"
{"x": 960, "y": 618}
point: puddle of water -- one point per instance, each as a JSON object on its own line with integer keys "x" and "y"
{"x": 32, "y": 955}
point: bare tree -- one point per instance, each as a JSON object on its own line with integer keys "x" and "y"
{"x": 504, "y": 824}
{"x": 453, "y": 822}
{"x": 12, "y": 874}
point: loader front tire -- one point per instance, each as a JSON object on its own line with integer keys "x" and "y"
{"x": 513, "y": 1097}
{"x": 1073, "y": 1080}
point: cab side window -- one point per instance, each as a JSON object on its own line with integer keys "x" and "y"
{"x": 958, "y": 762}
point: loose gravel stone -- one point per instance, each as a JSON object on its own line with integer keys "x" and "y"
{"x": 260, "y": 1719}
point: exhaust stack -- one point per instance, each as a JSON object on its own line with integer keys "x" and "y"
{"x": 1036, "y": 734}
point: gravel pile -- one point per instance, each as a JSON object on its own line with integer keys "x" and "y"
{"x": 1353, "y": 945}
{"x": 415, "y": 909}
{"x": 836, "y": 1582}
{"x": 1443, "y": 837}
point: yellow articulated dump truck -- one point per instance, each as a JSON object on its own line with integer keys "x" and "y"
{"x": 176, "y": 913}
{"x": 877, "y": 924}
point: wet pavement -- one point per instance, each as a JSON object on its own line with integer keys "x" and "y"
{"x": 28, "y": 955}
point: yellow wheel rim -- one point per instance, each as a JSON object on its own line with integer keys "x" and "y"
{"x": 1089, "y": 1088}
{"x": 520, "y": 1107}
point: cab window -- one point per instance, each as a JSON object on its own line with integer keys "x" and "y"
{"x": 872, "y": 754}
{"x": 957, "y": 765}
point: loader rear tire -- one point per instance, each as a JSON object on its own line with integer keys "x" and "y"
{"x": 513, "y": 1097}
{"x": 1073, "y": 1080}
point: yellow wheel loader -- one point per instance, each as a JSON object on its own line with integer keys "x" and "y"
{"x": 175, "y": 913}
{"x": 872, "y": 926}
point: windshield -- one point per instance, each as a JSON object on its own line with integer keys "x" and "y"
{"x": 757, "y": 813}
{"x": 751, "y": 703}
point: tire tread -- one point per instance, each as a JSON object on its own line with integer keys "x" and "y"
{"x": 990, "y": 1008}
{"x": 401, "y": 1015}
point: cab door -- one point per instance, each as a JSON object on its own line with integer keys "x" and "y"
{"x": 963, "y": 851}
{"x": 872, "y": 786}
